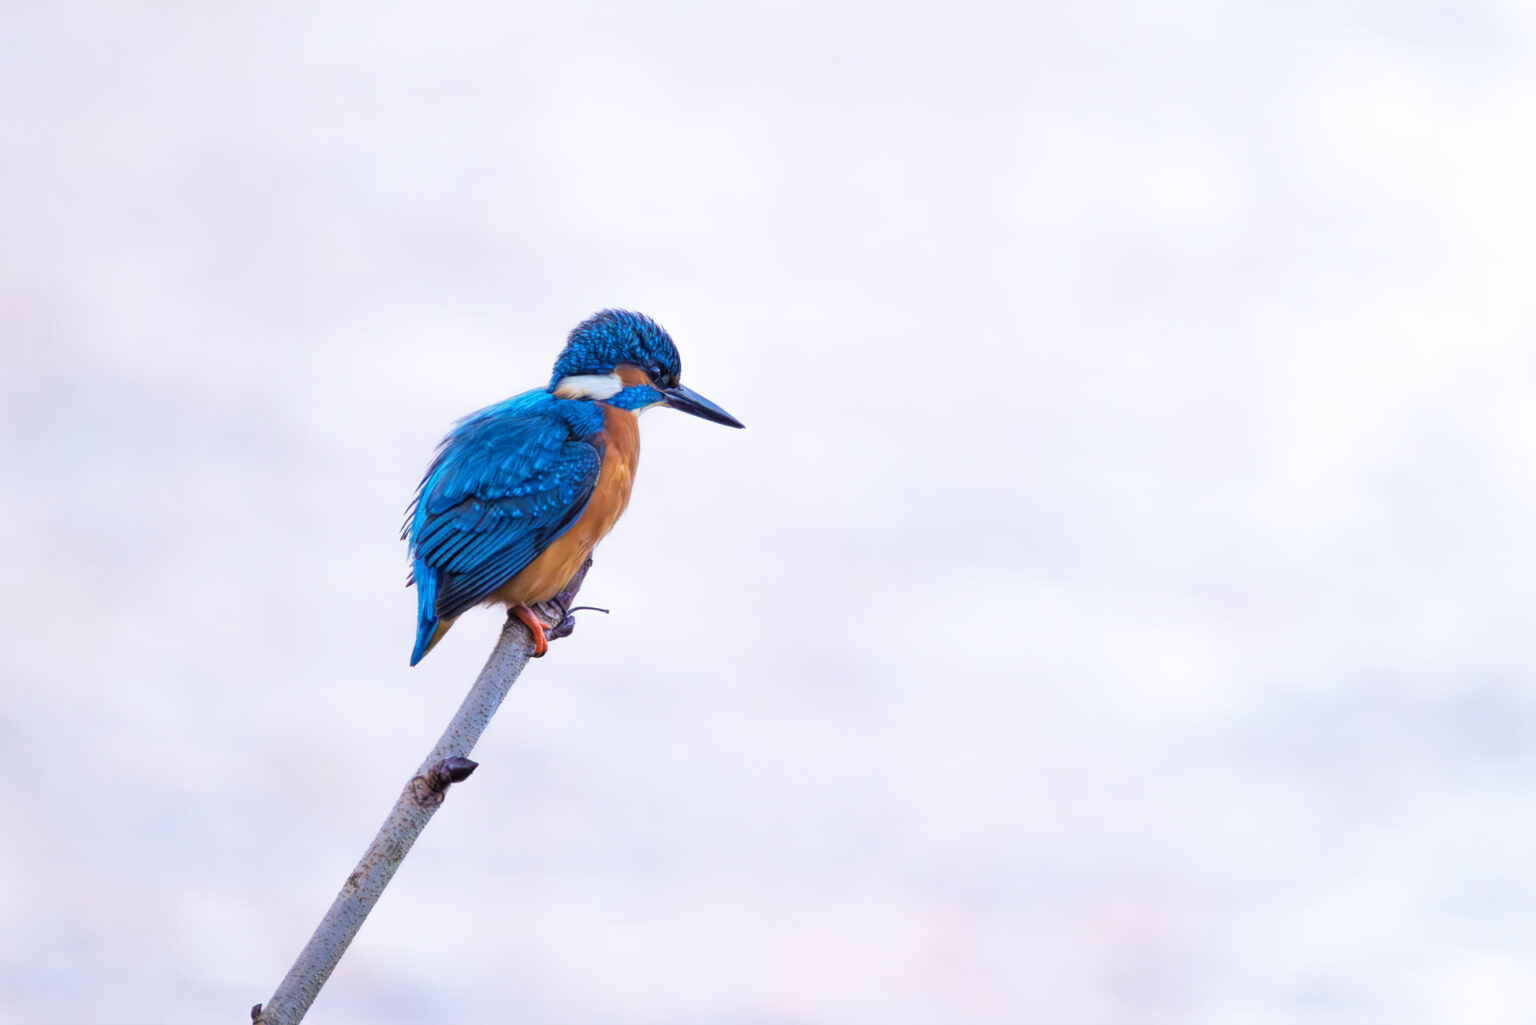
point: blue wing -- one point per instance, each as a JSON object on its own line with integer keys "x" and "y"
{"x": 506, "y": 482}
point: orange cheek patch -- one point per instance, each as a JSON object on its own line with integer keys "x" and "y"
{"x": 631, "y": 376}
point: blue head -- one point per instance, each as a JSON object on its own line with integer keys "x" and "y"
{"x": 628, "y": 360}
{"x": 606, "y": 339}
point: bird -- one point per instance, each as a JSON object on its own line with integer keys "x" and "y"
{"x": 520, "y": 492}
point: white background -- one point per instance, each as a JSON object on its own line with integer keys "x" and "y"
{"x": 1118, "y": 610}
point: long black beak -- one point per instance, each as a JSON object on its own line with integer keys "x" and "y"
{"x": 690, "y": 401}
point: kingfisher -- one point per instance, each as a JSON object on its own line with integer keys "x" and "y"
{"x": 520, "y": 492}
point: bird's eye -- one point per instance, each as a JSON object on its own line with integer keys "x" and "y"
{"x": 655, "y": 372}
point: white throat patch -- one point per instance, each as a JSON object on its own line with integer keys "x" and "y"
{"x": 589, "y": 386}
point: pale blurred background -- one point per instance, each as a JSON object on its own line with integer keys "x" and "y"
{"x": 1118, "y": 611}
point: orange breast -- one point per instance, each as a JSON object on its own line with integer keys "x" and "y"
{"x": 546, "y": 575}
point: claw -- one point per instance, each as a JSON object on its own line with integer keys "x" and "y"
{"x": 556, "y": 610}
{"x": 535, "y": 626}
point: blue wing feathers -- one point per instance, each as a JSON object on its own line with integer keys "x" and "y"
{"x": 506, "y": 482}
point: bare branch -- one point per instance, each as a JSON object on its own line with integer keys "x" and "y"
{"x": 423, "y": 794}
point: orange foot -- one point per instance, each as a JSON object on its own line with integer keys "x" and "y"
{"x": 535, "y": 626}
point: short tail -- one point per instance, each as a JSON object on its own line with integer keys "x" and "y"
{"x": 428, "y": 629}
{"x": 428, "y": 633}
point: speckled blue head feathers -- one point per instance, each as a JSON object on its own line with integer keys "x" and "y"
{"x": 611, "y": 337}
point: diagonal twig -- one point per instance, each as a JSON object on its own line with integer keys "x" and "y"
{"x": 447, "y": 764}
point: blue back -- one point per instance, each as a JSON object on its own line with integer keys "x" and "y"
{"x": 506, "y": 482}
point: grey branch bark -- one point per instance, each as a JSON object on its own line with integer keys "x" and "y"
{"x": 423, "y": 794}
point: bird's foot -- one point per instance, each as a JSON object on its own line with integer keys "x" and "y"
{"x": 565, "y": 622}
{"x": 535, "y": 626}
{"x": 558, "y": 609}
{"x": 552, "y": 620}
